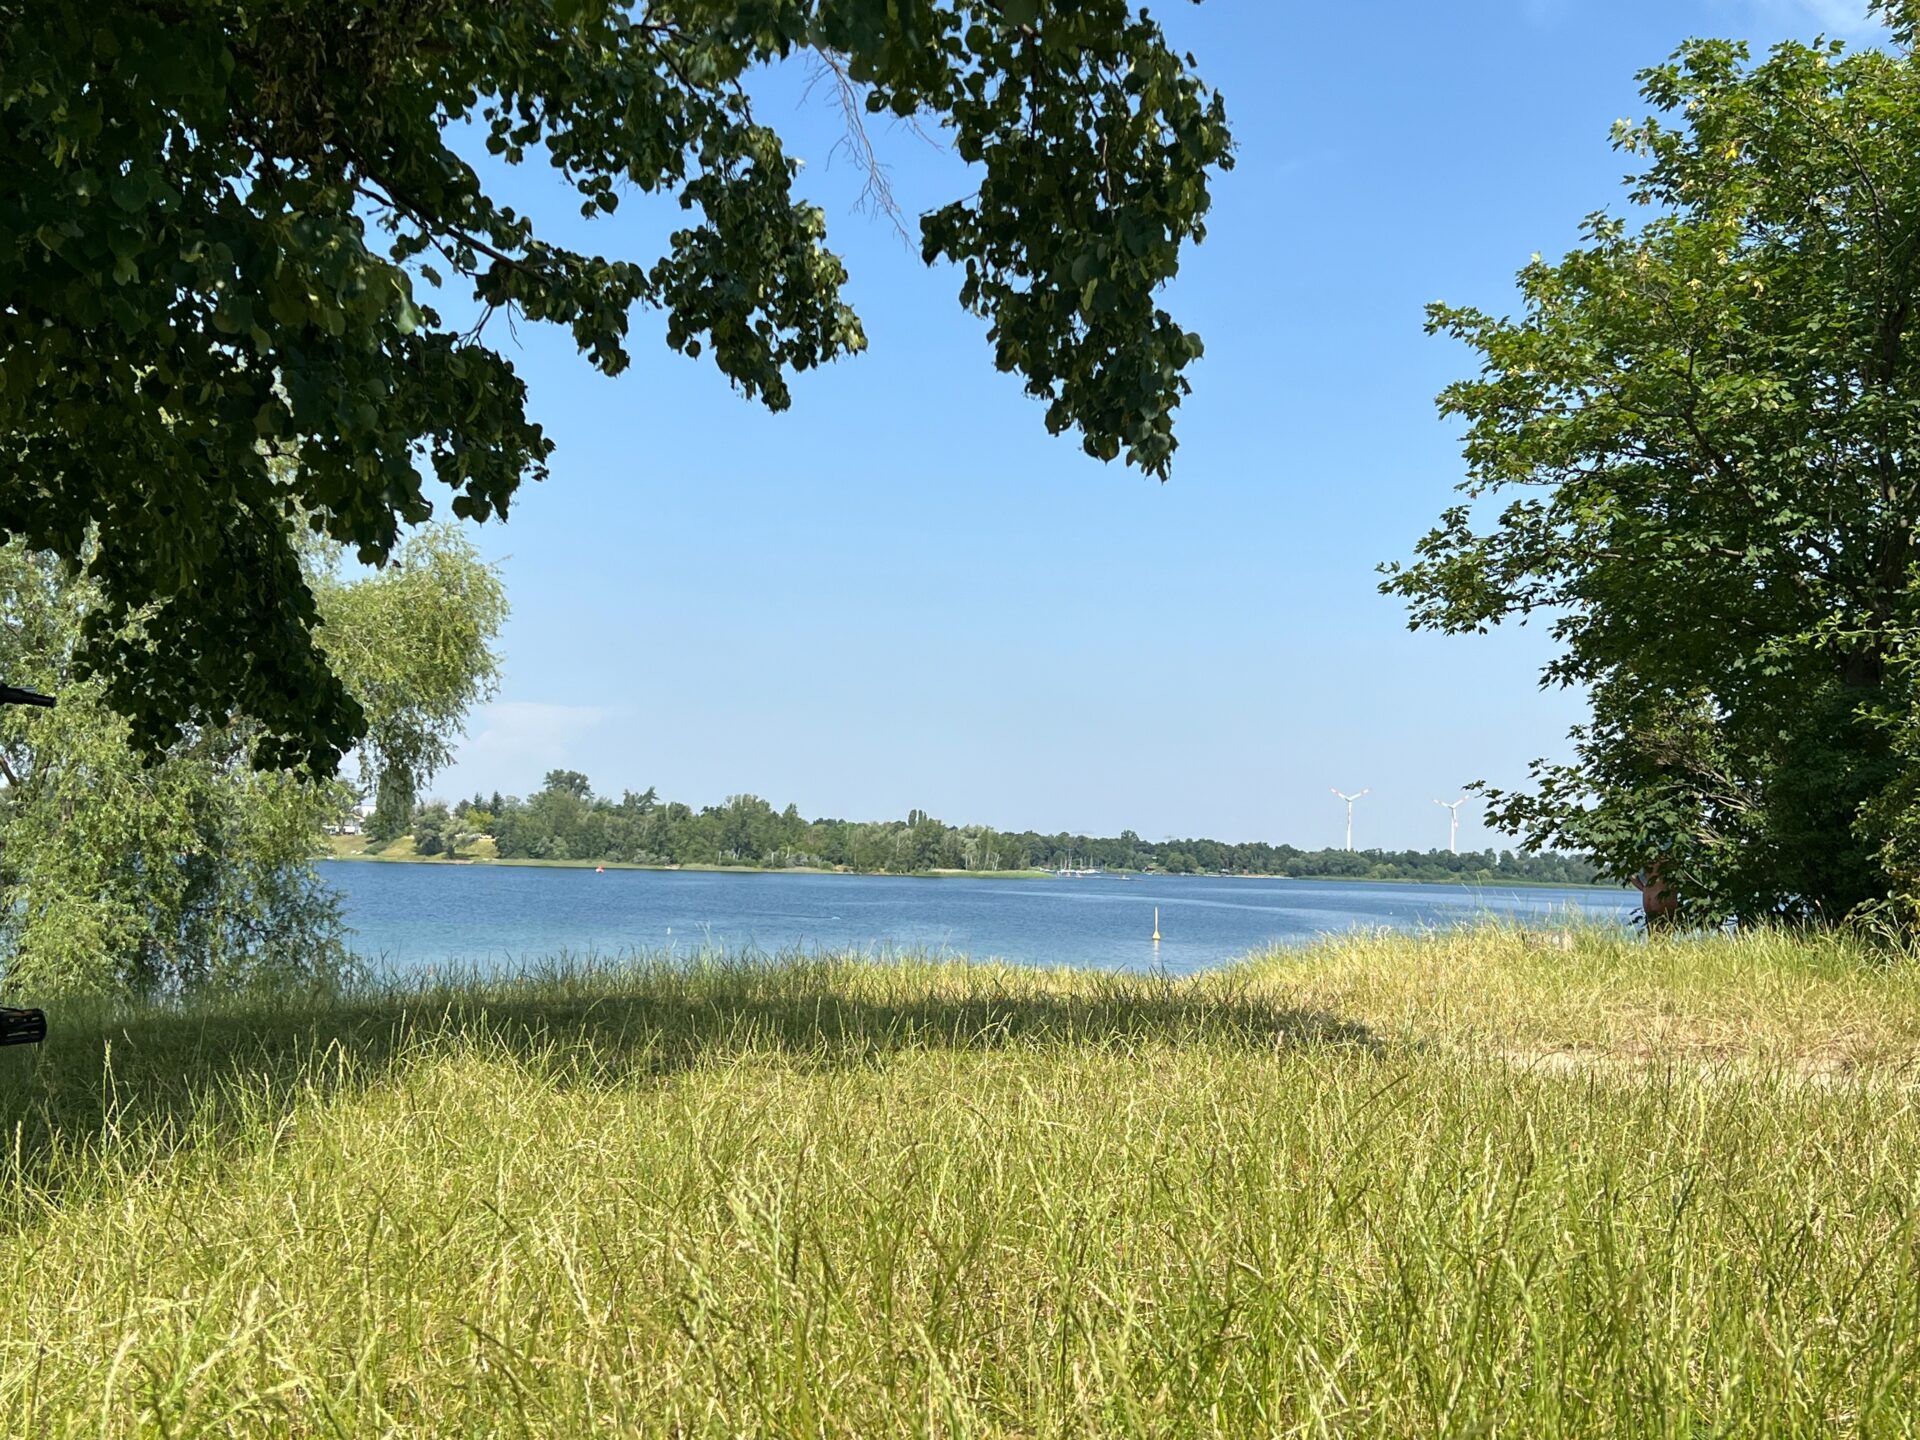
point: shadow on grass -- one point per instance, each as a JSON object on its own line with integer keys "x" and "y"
{"x": 142, "y": 1081}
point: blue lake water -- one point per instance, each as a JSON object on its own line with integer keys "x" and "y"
{"x": 409, "y": 917}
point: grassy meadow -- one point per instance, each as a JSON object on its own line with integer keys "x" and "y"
{"x": 1479, "y": 1184}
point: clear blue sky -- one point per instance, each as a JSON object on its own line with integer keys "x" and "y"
{"x": 903, "y": 593}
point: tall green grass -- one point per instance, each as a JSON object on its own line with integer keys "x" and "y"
{"x": 1331, "y": 1193}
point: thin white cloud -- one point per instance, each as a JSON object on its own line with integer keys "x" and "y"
{"x": 1837, "y": 19}
{"x": 511, "y": 744}
{"x": 1841, "y": 19}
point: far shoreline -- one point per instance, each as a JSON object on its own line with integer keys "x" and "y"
{"x": 696, "y": 868}
{"x": 487, "y": 861}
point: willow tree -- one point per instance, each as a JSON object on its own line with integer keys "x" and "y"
{"x": 225, "y": 218}
{"x": 128, "y": 871}
{"x": 1703, "y": 432}
{"x": 413, "y": 644}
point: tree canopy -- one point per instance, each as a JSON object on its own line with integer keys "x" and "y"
{"x": 413, "y": 642}
{"x": 1703, "y": 426}
{"x": 223, "y": 218}
{"x": 129, "y": 872}
{"x": 565, "y": 820}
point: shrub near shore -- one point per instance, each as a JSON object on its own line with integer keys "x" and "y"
{"x": 1440, "y": 1185}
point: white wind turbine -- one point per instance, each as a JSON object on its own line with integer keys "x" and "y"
{"x": 1453, "y": 822}
{"x": 1349, "y": 799}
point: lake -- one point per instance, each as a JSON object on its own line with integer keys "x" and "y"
{"x": 409, "y": 917}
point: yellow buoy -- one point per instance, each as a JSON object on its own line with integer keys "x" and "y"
{"x": 1156, "y": 924}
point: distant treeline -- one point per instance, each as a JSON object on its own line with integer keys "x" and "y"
{"x": 567, "y": 821}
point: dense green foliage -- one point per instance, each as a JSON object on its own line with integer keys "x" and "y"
{"x": 125, "y": 872}
{"x": 222, "y": 216}
{"x": 1705, "y": 426}
{"x": 414, "y": 644}
{"x": 1469, "y": 1185}
{"x": 565, "y": 820}
{"x": 121, "y": 873}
